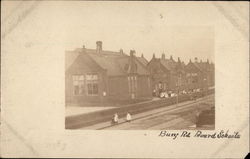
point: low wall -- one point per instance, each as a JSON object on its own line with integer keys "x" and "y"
{"x": 78, "y": 121}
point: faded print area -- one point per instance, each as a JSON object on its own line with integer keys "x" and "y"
{"x": 125, "y": 91}
{"x": 48, "y": 109}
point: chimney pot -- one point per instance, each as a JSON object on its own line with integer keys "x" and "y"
{"x": 98, "y": 46}
{"x": 196, "y": 59}
{"x": 121, "y": 51}
{"x": 171, "y": 57}
{"x": 163, "y": 56}
{"x": 179, "y": 60}
{"x": 132, "y": 53}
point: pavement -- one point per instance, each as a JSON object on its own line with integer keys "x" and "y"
{"x": 77, "y": 110}
{"x": 73, "y": 110}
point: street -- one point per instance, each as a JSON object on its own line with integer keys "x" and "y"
{"x": 181, "y": 116}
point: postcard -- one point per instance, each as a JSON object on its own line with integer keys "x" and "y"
{"x": 125, "y": 79}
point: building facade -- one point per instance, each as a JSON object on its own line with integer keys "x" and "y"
{"x": 200, "y": 75}
{"x": 168, "y": 75}
{"x": 96, "y": 75}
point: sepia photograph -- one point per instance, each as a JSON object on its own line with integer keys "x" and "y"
{"x": 124, "y": 79}
{"x": 126, "y": 91}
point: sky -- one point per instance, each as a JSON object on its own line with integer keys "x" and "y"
{"x": 145, "y": 27}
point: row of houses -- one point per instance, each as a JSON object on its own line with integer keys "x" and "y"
{"x": 97, "y": 75}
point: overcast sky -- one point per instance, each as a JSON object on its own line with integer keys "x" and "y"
{"x": 174, "y": 28}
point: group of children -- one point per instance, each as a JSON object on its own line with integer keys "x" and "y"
{"x": 115, "y": 119}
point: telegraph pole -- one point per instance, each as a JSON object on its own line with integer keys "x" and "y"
{"x": 178, "y": 84}
{"x": 204, "y": 87}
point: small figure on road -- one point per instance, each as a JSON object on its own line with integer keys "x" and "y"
{"x": 154, "y": 93}
{"x": 195, "y": 98}
{"x": 115, "y": 119}
{"x": 128, "y": 117}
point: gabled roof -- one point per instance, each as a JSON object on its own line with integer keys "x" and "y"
{"x": 142, "y": 60}
{"x": 103, "y": 52}
{"x": 141, "y": 68}
{"x": 204, "y": 66}
{"x": 114, "y": 63}
{"x": 70, "y": 57}
{"x": 193, "y": 67}
{"x": 83, "y": 63}
{"x": 168, "y": 64}
{"x": 108, "y": 63}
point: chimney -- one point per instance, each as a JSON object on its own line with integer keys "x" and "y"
{"x": 132, "y": 53}
{"x": 83, "y": 48}
{"x": 153, "y": 55}
{"x": 190, "y": 61}
{"x": 163, "y": 56}
{"x": 98, "y": 46}
{"x": 121, "y": 51}
{"x": 207, "y": 61}
{"x": 142, "y": 56}
{"x": 201, "y": 61}
{"x": 171, "y": 57}
{"x": 132, "y": 67}
{"x": 196, "y": 59}
{"x": 179, "y": 60}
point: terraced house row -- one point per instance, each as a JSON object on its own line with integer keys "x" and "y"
{"x": 97, "y": 75}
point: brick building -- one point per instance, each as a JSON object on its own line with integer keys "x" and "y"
{"x": 208, "y": 69}
{"x": 167, "y": 74}
{"x": 96, "y": 75}
{"x": 200, "y": 75}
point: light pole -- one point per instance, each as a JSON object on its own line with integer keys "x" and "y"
{"x": 177, "y": 100}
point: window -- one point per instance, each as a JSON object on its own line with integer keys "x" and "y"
{"x": 160, "y": 85}
{"x": 132, "y": 84}
{"x": 179, "y": 82}
{"x": 90, "y": 77}
{"x": 92, "y": 84}
{"x": 195, "y": 79}
{"x": 129, "y": 85}
{"x": 135, "y": 83}
{"x": 164, "y": 86}
{"x": 78, "y": 84}
{"x": 148, "y": 82}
